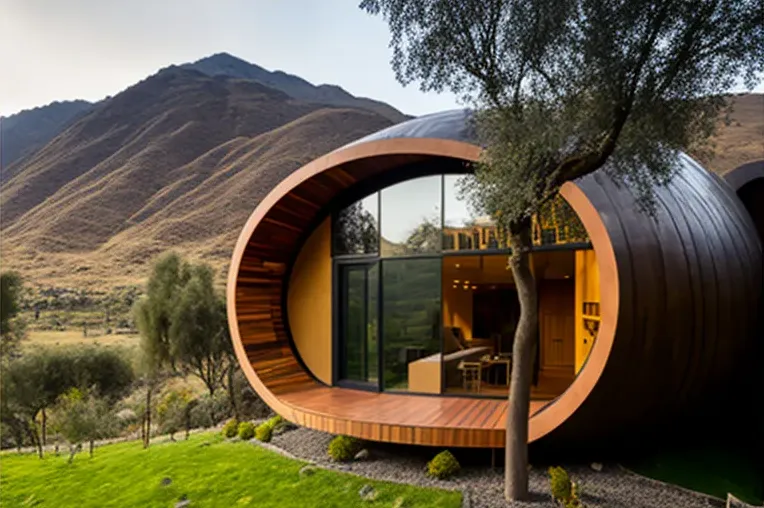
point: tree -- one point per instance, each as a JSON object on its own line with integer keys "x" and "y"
{"x": 81, "y": 416}
{"x": 562, "y": 88}
{"x": 198, "y": 332}
{"x": 183, "y": 327}
{"x": 12, "y": 329}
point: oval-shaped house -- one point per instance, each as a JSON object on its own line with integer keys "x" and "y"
{"x": 365, "y": 299}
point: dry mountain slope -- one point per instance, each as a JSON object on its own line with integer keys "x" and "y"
{"x": 27, "y": 131}
{"x": 177, "y": 160}
{"x": 223, "y": 64}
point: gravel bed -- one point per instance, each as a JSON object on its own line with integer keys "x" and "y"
{"x": 612, "y": 487}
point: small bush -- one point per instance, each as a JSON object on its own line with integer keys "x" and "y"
{"x": 443, "y": 465}
{"x": 246, "y": 431}
{"x": 564, "y": 491}
{"x": 264, "y": 432}
{"x": 231, "y": 428}
{"x": 344, "y": 448}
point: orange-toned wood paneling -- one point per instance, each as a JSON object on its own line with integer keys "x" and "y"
{"x": 556, "y": 327}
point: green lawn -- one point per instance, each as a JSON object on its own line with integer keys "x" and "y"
{"x": 712, "y": 469}
{"x": 206, "y": 469}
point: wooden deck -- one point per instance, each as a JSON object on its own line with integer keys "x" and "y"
{"x": 402, "y": 418}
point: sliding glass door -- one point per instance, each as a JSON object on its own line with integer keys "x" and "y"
{"x": 359, "y": 324}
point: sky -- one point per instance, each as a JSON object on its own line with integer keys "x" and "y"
{"x": 89, "y": 49}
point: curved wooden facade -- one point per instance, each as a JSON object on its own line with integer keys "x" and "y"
{"x": 678, "y": 307}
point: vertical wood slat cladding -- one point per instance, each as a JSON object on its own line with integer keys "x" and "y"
{"x": 689, "y": 283}
{"x": 678, "y": 301}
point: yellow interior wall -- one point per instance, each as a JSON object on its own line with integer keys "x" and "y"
{"x": 457, "y": 308}
{"x": 587, "y": 290}
{"x": 309, "y": 303}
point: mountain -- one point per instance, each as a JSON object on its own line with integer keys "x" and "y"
{"x": 178, "y": 160}
{"x": 27, "y": 131}
{"x": 223, "y": 64}
{"x": 742, "y": 140}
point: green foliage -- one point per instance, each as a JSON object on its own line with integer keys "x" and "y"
{"x": 173, "y": 411}
{"x": 560, "y": 484}
{"x": 12, "y": 329}
{"x": 201, "y": 469}
{"x": 79, "y": 416}
{"x": 444, "y": 465}
{"x": 182, "y": 322}
{"x": 264, "y": 431}
{"x": 564, "y": 491}
{"x": 231, "y": 428}
{"x": 246, "y": 431}
{"x": 562, "y": 88}
{"x": 344, "y": 448}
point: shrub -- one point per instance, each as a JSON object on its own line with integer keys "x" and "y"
{"x": 264, "y": 432}
{"x": 564, "y": 491}
{"x": 231, "y": 428}
{"x": 246, "y": 431}
{"x": 344, "y": 448}
{"x": 443, "y": 465}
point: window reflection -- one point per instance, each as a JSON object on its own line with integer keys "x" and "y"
{"x": 462, "y": 228}
{"x": 411, "y": 314}
{"x": 356, "y": 229}
{"x": 411, "y": 217}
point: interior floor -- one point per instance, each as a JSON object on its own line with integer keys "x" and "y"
{"x": 551, "y": 384}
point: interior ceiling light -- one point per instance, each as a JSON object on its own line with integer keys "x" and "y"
{"x": 566, "y": 276}
{"x": 455, "y": 286}
{"x": 457, "y": 265}
{"x": 474, "y": 287}
{"x": 456, "y": 281}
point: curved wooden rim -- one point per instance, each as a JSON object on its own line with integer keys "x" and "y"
{"x": 557, "y": 411}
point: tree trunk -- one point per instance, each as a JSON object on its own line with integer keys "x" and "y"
{"x": 147, "y": 439}
{"x": 34, "y": 437}
{"x": 231, "y": 394}
{"x": 44, "y": 427}
{"x": 516, "y": 451}
{"x": 91, "y": 448}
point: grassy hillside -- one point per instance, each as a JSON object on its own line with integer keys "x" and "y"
{"x": 206, "y": 470}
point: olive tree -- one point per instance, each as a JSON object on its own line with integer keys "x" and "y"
{"x": 561, "y": 89}
{"x": 12, "y": 329}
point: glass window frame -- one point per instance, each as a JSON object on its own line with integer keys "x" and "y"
{"x": 377, "y": 257}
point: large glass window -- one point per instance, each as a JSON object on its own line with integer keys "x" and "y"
{"x": 356, "y": 228}
{"x": 415, "y": 314}
{"x": 411, "y": 314}
{"x": 411, "y": 217}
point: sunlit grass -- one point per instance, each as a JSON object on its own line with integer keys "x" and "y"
{"x": 206, "y": 470}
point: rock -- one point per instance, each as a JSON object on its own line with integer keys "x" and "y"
{"x": 165, "y": 481}
{"x": 308, "y": 470}
{"x": 733, "y": 502}
{"x": 183, "y": 504}
{"x": 362, "y": 455}
{"x": 597, "y": 466}
{"x": 367, "y": 493}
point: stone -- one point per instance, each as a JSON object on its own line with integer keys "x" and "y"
{"x": 400, "y": 502}
{"x": 165, "y": 482}
{"x": 183, "y": 504}
{"x": 362, "y": 455}
{"x": 597, "y": 466}
{"x": 367, "y": 493}
{"x": 308, "y": 470}
{"x": 733, "y": 502}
